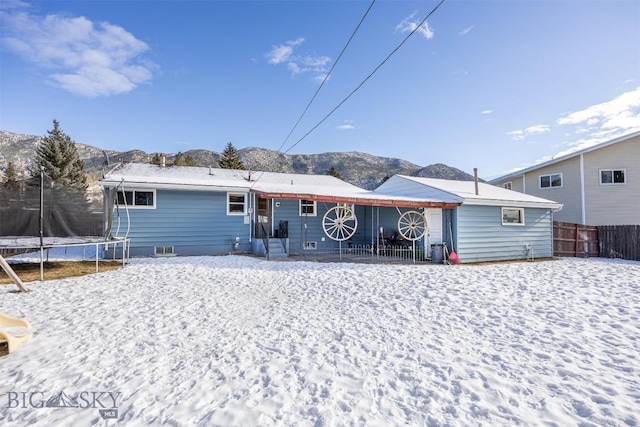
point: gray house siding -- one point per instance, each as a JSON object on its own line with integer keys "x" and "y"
{"x": 613, "y": 204}
{"x": 193, "y": 222}
{"x": 568, "y": 194}
{"x": 482, "y": 237}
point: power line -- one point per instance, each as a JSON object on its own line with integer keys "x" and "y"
{"x": 326, "y": 77}
{"x": 367, "y": 78}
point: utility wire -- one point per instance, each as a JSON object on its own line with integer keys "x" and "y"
{"x": 367, "y": 78}
{"x": 326, "y": 77}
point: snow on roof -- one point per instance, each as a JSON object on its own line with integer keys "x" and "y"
{"x": 269, "y": 184}
{"x": 487, "y": 194}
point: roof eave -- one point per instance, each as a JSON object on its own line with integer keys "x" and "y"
{"x": 362, "y": 201}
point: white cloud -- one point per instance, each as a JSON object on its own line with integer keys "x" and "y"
{"x": 532, "y": 130}
{"x": 486, "y": 112}
{"x": 603, "y": 122}
{"x": 519, "y": 135}
{"x": 282, "y": 53}
{"x": 466, "y": 31}
{"x": 298, "y": 64}
{"x": 346, "y": 125}
{"x": 620, "y": 114}
{"x": 410, "y": 24}
{"x": 84, "y": 58}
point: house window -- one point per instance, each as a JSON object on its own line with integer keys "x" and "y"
{"x": 236, "y": 204}
{"x": 612, "y": 176}
{"x": 350, "y": 206}
{"x": 143, "y": 199}
{"x": 512, "y": 216}
{"x": 308, "y": 208}
{"x": 551, "y": 180}
{"x": 309, "y": 246}
{"x": 507, "y": 185}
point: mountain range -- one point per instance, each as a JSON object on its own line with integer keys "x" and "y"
{"x": 361, "y": 169}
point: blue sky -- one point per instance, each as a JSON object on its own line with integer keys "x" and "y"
{"x": 495, "y": 85}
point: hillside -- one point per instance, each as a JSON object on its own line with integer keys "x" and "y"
{"x": 362, "y": 169}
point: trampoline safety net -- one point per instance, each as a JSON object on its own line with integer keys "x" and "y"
{"x": 66, "y": 211}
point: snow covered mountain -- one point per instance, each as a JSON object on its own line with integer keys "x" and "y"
{"x": 361, "y": 169}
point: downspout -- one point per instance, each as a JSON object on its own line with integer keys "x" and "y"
{"x": 582, "y": 200}
{"x": 524, "y": 185}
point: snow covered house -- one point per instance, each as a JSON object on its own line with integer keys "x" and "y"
{"x": 488, "y": 223}
{"x": 177, "y": 210}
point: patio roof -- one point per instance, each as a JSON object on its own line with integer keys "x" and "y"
{"x": 362, "y": 199}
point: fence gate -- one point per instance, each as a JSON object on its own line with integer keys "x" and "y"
{"x": 575, "y": 240}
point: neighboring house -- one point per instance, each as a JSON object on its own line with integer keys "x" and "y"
{"x": 177, "y": 210}
{"x": 599, "y": 185}
{"x": 491, "y": 224}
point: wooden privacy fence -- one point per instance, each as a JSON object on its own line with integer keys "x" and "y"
{"x": 575, "y": 240}
{"x": 607, "y": 241}
{"x": 620, "y": 241}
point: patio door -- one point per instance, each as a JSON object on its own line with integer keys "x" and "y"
{"x": 434, "y": 228}
{"x": 263, "y": 223}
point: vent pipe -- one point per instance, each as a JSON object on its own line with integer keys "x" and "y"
{"x": 475, "y": 179}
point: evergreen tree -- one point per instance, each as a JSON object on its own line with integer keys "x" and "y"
{"x": 334, "y": 172}
{"x": 11, "y": 178}
{"x": 58, "y": 155}
{"x": 229, "y": 158}
{"x": 190, "y": 161}
{"x": 156, "y": 159}
{"x": 179, "y": 160}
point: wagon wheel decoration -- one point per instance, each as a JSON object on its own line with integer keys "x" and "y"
{"x": 412, "y": 225}
{"x": 339, "y": 223}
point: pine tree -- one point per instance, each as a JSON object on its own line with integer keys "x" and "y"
{"x": 229, "y": 159}
{"x": 58, "y": 155}
{"x": 190, "y": 161}
{"x": 334, "y": 172}
{"x": 179, "y": 160}
{"x": 156, "y": 159}
{"x": 11, "y": 178}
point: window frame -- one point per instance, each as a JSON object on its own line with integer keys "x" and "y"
{"x": 307, "y": 204}
{"x": 244, "y": 204}
{"x": 613, "y": 172}
{"x": 550, "y": 180}
{"x": 133, "y": 191}
{"x": 521, "y": 214}
{"x": 507, "y": 185}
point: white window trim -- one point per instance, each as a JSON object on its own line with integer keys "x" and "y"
{"x": 550, "y": 175}
{"x": 350, "y": 206}
{"x": 309, "y": 246}
{"x": 624, "y": 170}
{"x": 518, "y": 224}
{"x": 315, "y": 208}
{"x": 509, "y": 183}
{"x": 133, "y": 197}
{"x": 244, "y": 204}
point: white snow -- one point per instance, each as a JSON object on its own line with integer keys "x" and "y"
{"x": 239, "y": 341}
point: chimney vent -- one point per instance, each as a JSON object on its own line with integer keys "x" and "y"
{"x": 475, "y": 179}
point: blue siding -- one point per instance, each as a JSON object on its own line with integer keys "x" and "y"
{"x": 369, "y": 221}
{"x": 482, "y": 237}
{"x": 194, "y": 222}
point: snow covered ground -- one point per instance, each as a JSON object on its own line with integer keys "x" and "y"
{"x": 239, "y": 341}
